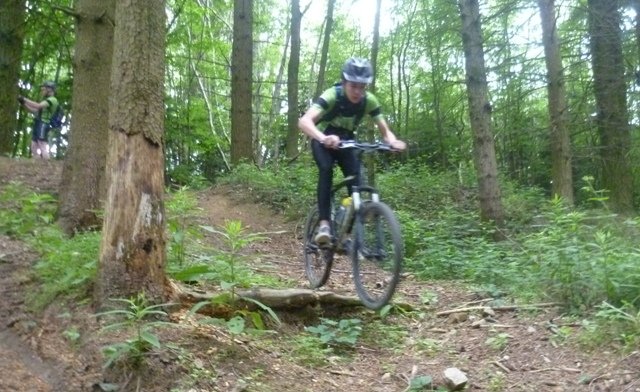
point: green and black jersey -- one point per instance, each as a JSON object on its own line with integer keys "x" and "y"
{"x": 45, "y": 114}
{"x": 339, "y": 116}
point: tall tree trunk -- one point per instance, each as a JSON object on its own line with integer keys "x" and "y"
{"x": 12, "y": 14}
{"x": 561, "y": 178}
{"x": 133, "y": 249}
{"x": 484, "y": 154}
{"x": 83, "y": 186}
{"x": 322, "y": 67}
{"x": 611, "y": 101}
{"x": 293, "y": 133}
{"x": 241, "y": 82}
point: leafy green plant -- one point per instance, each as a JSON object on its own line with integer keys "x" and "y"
{"x": 498, "y": 341}
{"x": 235, "y": 239}
{"x": 428, "y": 346}
{"x": 71, "y": 334}
{"x": 497, "y": 382}
{"x": 182, "y": 208}
{"x": 338, "y": 333}
{"x": 420, "y": 383}
{"x": 598, "y": 196}
{"x": 226, "y": 264}
{"x": 135, "y": 321}
{"x": 561, "y": 334}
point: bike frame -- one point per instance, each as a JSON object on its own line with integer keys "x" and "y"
{"x": 341, "y": 234}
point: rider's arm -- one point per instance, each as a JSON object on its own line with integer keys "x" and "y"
{"x": 33, "y": 106}
{"x": 389, "y": 136}
{"x": 307, "y": 123}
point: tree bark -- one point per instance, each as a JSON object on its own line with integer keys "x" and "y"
{"x": 12, "y": 18}
{"x": 241, "y": 82}
{"x": 132, "y": 254}
{"x": 322, "y": 67}
{"x": 611, "y": 101}
{"x": 83, "y": 186}
{"x": 484, "y": 154}
{"x": 560, "y": 142}
{"x": 293, "y": 133}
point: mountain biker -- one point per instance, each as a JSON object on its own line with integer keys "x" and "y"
{"x": 333, "y": 117}
{"x": 43, "y": 111}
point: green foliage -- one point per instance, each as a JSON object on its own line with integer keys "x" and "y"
{"x": 67, "y": 267}
{"x": 498, "y": 341}
{"x": 620, "y": 323}
{"x": 235, "y": 239}
{"x": 420, "y": 383}
{"x": 343, "y": 333}
{"x": 136, "y": 322}
{"x": 182, "y": 210}
{"x": 24, "y": 212}
{"x": 289, "y": 189}
{"x": 310, "y": 350}
{"x": 384, "y": 333}
{"x": 582, "y": 260}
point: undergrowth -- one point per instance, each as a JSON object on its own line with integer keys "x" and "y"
{"x": 580, "y": 258}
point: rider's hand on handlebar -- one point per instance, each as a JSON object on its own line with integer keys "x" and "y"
{"x": 331, "y": 141}
{"x": 398, "y": 145}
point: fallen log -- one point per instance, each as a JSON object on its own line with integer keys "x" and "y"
{"x": 277, "y": 299}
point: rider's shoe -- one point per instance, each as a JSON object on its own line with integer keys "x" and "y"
{"x": 323, "y": 237}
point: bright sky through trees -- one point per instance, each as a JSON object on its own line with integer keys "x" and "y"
{"x": 361, "y": 12}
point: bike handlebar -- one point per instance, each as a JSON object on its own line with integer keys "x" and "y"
{"x": 352, "y": 144}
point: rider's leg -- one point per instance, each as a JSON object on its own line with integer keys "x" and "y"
{"x": 348, "y": 162}
{"x": 324, "y": 160}
{"x": 43, "y": 146}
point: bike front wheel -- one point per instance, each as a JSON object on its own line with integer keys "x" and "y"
{"x": 377, "y": 254}
{"x": 317, "y": 260}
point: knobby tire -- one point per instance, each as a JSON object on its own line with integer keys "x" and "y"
{"x": 317, "y": 261}
{"x": 377, "y": 254}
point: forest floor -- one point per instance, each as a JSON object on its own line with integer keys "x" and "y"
{"x": 504, "y": 349}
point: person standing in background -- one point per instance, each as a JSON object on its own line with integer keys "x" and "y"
{"x": 43, "y": 112}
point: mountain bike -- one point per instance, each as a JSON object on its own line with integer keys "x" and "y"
{"x": 363, "y": 228}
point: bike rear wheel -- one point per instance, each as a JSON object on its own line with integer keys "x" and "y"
{"x": 317, "y": 260}
{"x": 377, "y": 254}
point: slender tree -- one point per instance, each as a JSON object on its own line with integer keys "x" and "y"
{"x": 241, "y": 82}
{"x": 293, "y": 113}
{"x": 560, "y": 143}
{"x": 322, "y": 67}
{"x": 611, "y": 101}
{"x": 83, "y": 187}
{"x": 12, "y": 17}
{"x": 484, "y": 155}
{"x": 133, "y": 249}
